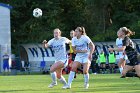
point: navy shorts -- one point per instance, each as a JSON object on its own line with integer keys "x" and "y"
{"x": 6, "y": 65}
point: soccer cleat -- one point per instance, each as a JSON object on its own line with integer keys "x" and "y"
{"x": 75, "y": 75}
{"x": 86, "y": 85}
{"x": 122, "y": 77}
{"x": 52, "y": 84}
{"x": 66, "y": 87}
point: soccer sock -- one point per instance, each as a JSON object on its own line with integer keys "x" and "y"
{"x": 71, "y": 77}
{"x": 53, "y": 75}
{"x": 62, "y": 80}
{"x": 121, "y": 69}
{"x": 86, "y": 77}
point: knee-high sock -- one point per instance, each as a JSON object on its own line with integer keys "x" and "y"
{"x": 71, "y": 77}
{"x": 62, "y": 80}
{"x": 86, "y": 78}
{"x": 121, "y": 69}
{"x": 53, "y": 76}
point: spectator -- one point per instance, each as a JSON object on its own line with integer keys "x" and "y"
{"x": 94, "y": 64}
{"x": 6, "y": 64}
{"x": 102, "y": 58}
{"x": 112, "y": 61}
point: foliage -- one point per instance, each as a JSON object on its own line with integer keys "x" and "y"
{"x": 101, "y": 18}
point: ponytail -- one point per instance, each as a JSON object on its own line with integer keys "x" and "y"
{"x": 81, "y": 29}
{"x": 127, "y": 31}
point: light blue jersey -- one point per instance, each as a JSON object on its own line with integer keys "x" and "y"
{"x": 119, "y": 43}
{"x": 59, "y": 48}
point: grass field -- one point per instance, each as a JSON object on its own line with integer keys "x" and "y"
{"x": 100, "y": 83}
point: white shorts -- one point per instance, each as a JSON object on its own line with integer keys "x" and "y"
{"x": 82, "y": 59}
{"x": 65, "y": 61}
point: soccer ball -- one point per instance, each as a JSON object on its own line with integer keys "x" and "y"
{"x": 37, "y": 12}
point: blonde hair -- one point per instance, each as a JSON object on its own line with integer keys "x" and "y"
{"x": 81, "y": 29}
{"x": 127, "y": 31}
{"x": 57, "y": 30}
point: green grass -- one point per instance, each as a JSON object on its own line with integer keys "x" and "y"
{"x": 105, "y": 83}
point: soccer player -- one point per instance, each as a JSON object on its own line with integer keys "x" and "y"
{"x": 71, "y": 52}
{"x": 131, "y": 52}
{"x": 84, "y": 48}
{"x": 122, "y": 56}
{"x": 58, "y": 45}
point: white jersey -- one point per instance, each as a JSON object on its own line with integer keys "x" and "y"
{"x": 119, "y": 43}
{"x": 81, "y": 44}
{"x": 59, "y": 48}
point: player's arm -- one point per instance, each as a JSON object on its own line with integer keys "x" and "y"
{"x": 92, "y": 47}
{"x": 45, "y": 44}
{"x": 119, "y": 49}
{"x": 78, "y": 51}
{"x": 74, "y": 48}
{"x": 90, "y": 44}
{"x": 68, "y": 41}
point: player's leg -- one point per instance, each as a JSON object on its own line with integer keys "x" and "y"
{"x": 4, "y": 69}
{"x": 110, "y": 67}
{"x": 114, "y": 69}
{"x": 54, "y": 67}
{"x": 126, "y": 69}
{"x": 101, "y": 67}
{"x": 86, "y": 67}
{"x": 121, "y": 64}
{"x": 73, "y": 58}
{"x": 137, "y": 69}
{"x": 104, "y": 68}
{"x": 8, "y": 69}
{"x": 75, "y": 65}
{"x": 60, "y": 77}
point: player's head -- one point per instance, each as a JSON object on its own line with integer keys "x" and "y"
{"x": 111, "y": 51}
{"x": 102, "y": 51}
{"x": 57, "y": 33}
{"x": 126, "y": 32}
{"x": 119, "y": 33}
{"x": 72, "y": 33}
{"x": 80, "y": 31}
